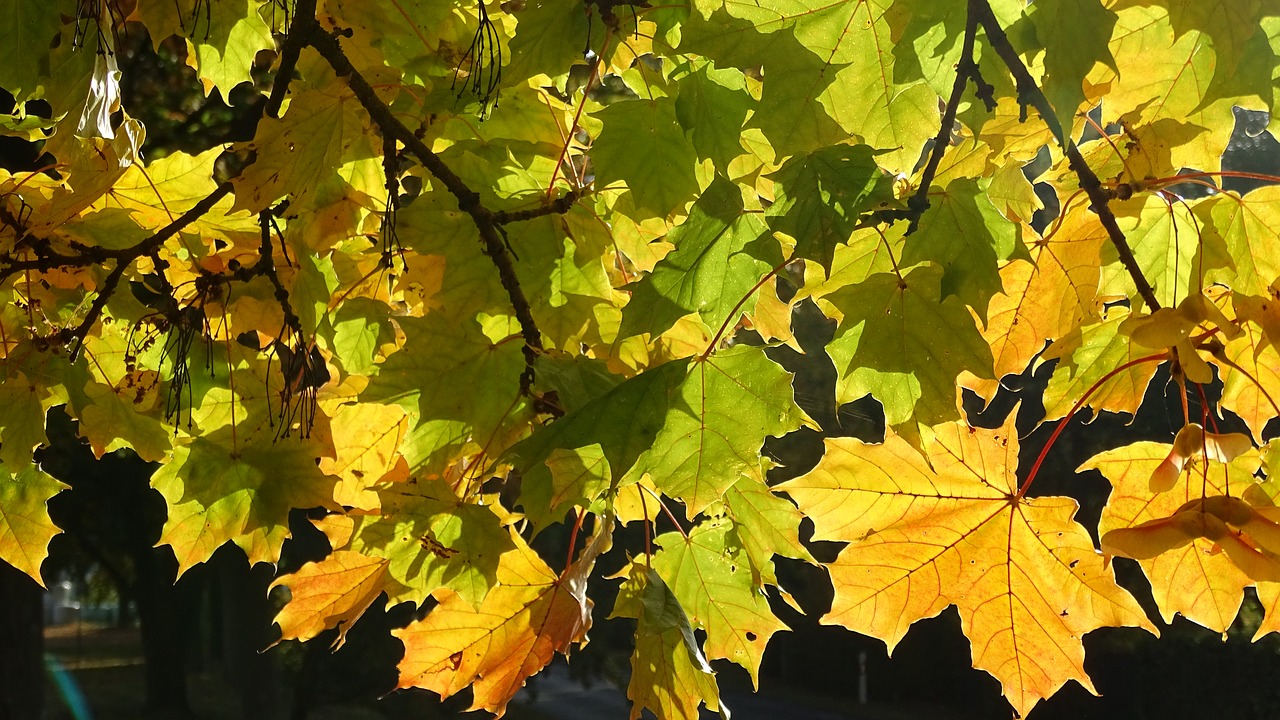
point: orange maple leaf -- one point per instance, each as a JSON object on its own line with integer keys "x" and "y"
{"x": 334, "y": 592}
{"x": 530, "y": 615}
{"x": 953, "y": 530}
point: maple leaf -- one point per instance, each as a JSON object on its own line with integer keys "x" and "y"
{"x": 703, "y": 573}
{"x": 820, "y": 197}
{"x": 1190, "y": 578}
{"x": 423, "y": 377}
{"x": 366, "y": 453}
{"x": 531, "y": 615}
{"x": 580, "y": 475}
{"x": 661, "y": 181}
{"x": 669, "y": 674}
{"x": 216, "y": 494}
{"x": 432, "y": 539}
{"x": 711, "y": 107}
{"x": 333, "y": 592}
{"x": 717, "y": 420}
{"x": 954, "y": 530}
{"x": 295, "y": 151}
{"x": 886, "y": 346}
{"x": 719, "y": 249}
{"x": 1091, "y": 353}
{"x": 25, "y": 526}
{"x": 764, "y": 524}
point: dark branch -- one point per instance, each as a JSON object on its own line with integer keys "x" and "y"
{"x": 965, "y": 69}
{"x": 559, "y": 206}
{"x": 289, "y": 52}
{"x": 486, "y": 221}
{"x": 47, "y": 258}
{"x": 1029, "y": 93}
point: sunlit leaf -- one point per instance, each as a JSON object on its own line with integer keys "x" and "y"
{"x": 1024, "y": 575}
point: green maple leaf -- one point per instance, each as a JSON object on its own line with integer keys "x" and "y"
{"x": 112, "y": 422}
{"x": 439, "y": 357}
{"x": 903, "y": 343}
{"x": 30, "y": 28}
{"x": 1229, "y": 24}
{"x": 1075, "y": 36}
{"x": 220, "y": 490}
{"x": 1088, "y": 355}
{"x": 717, "y": 418}
{"x": 821, "y": 196}
{"x": 669, "y": 674}
{"x": 576, "y": 380}
{"x": 792, "y": 113}
{"x": 578, "y": 477}
{"x": 703, "y": 573}
{"x": 1171, "y": 245}
{"x": 549, "y": 38}
{"x": 721, "y": 249}
{"x": 764, "y": 524}
{"x": 432, "y": 539}
{"x": 1250, "y": 228}
{"x": 624, "y": 421}
{"x": 360, "y": 328}
{"x": 227, "y": 41}
{"x": 25, "y": 526}
{"x": 964, "y": 233}
{"x": 712, "y": 106}
{"x": 643, "y": 145}
{"x": 435, "y": 228}
{"x": 410, "y": 34}
{"x": 22, "y": 411}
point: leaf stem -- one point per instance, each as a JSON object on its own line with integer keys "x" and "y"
{"x": 670, "y": 515}
{"x": 577, "y": 114}
{"x": 734, "y": 312}
{"x": 573, "y": 540}
{"x": 1066, "y": 420}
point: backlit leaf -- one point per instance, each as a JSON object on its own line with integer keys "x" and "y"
{"x": 1023, "y": 574}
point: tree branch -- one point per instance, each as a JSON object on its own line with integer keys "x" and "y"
{"x": 486, "y": 221}
{"x": 965, "y": 68}
{"x": 1029, "y": 93}
{"x": 47, "y": 258}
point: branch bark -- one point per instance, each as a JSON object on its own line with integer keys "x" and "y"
{"x": 487, "y": 222}
{"x": 1029, "y": 93}
{"x": 965, "y": 69}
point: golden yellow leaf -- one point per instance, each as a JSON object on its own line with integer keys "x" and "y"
{"x": 1195, "y": 579}
{"x": 334, "y": 592}
{"x": 953, "y": 530}
{"x": 530, "y": 615}
{"x": 367, "y": 448}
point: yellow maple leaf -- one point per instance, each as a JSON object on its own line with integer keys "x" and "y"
{"x": 334, "y": 592}
{"x": 1193, "y": 578}
{"x": 954, "y": 530}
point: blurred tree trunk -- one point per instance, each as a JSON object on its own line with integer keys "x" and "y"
{"x": 247, "y": 618}
{"x": 21, "y": 646}
{"x": 164, "y": 613}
